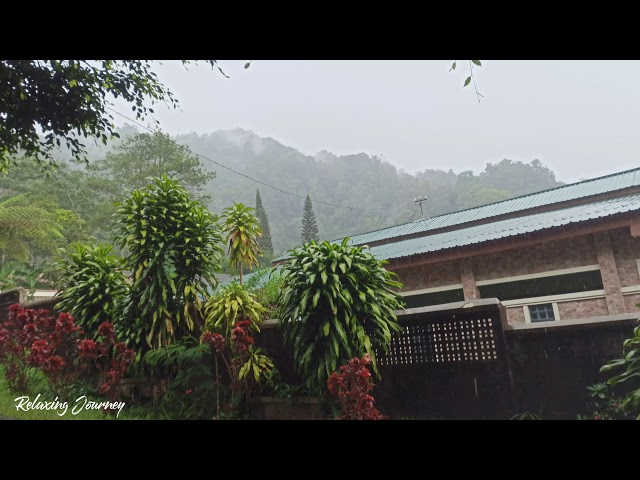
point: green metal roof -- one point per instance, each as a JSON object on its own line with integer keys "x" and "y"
{"x": 506, "y": 228}
{"x": 585, "y": 188}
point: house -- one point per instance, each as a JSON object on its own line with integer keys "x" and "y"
{"x": 568, "y": 254}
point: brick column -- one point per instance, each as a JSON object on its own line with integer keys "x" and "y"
{"x": 468, "y": 280}
{"x": 609, "y": 272}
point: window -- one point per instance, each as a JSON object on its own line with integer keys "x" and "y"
{"x": 542, "y": 313}
{"x": 541, "y": 287}
{"x": 434, "y": 298}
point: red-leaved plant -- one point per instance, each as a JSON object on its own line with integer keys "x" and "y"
{"x": 234, "y": 352}
{"x": 106, "y": 357}
{"x": 352, "y": 386}
{"x": 36, "y": 338}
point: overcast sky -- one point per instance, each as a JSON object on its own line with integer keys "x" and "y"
{"x": 580, "y": 118}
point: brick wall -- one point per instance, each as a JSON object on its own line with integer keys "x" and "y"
{"x": 618, "y": 252}
{"x": 515, "y": 315}
{"x": 626, "y": 250}
{"x": 575, "y": 252}
{"x": 630, "y": 302}
{"x": 593, "y": 307}
{"x": 430, "y": 276}
{"x": 556, "y": 255}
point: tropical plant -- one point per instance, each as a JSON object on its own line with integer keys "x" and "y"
{"x": 352, "y": 387}
{"x": 336, "y": 302}
{"x": 108, "y": 357}
{"x": 32, "y": 340}
{"x": 173, "y": 252}
{"x": 246, "y": 366}
{"x": 187, "y": 366}
{"x": 630, "y": 376}
{"x": 7, "y": 276}
{"x": 257, "y": 364}
{"x": 265, "y": 285}
{"x": 229, "y": 305}
{"x": 22, "y": 225}
{"x": 309, "y": 226}
{"x": 92, "y": 284}
{"x": 242, "y": 229}
{"x": 604, "y": 404}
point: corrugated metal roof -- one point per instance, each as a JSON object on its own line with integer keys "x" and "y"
{"x": 506, "y": 228}
{"x": 585, "y": 188}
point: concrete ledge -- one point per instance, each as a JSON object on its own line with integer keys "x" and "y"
{"x": 49, "y": 302}
{"x": 471, "y": 304}
{"x": 271, "y": 323}
{"x": 443, "y": 308}
{"x": 602, "y": 321}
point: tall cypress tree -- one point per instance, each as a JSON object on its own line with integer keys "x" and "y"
{"x": 309, "y": 225}
{"x": 265, "y": 241}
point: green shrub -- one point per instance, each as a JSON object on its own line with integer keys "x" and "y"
{"x": 173, "y": 252}
{"x": 337, "y": 302}
{"x": 93, "y": 284}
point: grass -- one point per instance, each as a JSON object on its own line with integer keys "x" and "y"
{"x": 8, "y": 405}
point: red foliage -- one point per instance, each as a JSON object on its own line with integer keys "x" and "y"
{"x": 352, "y": 387}
{"x": 216, "y": 341}
{"x": 35, "y": 338}
{"x": 241, "y": 335}
{"x": 109, "y": 358}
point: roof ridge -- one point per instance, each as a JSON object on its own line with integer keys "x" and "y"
{"x": 637, "y": 169}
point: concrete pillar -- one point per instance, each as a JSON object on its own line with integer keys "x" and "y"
{"x": 468, "y": 280}
{"x": 609, "y": 272}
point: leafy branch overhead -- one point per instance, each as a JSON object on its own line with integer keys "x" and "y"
{"x": 47, "y": 104}
{"x": 471, "y": 77}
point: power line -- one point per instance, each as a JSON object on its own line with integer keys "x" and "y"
{"x": 253, "y": 179}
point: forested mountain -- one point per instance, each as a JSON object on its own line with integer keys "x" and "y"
{"x": 380, "y": 194}
{"x": 375, "y": 193}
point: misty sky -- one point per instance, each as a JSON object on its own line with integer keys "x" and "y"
{"x": 580, "y": 118}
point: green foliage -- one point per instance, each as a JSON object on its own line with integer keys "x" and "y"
{"x": 173, "y": 252}
{"x": 309, "y": 226}
{"x": 92, "y": 285}
{"x": 242, "y": 230}
{"x": 23, "y": 226}
{"x": 257, "y": 365}
{"x": 337, "y": 302}
{"x": 265, "y": 285}
{"x": 603, "y": 404}
{"x": 187, "y": 366}
{"x": 73, "y": 191}
{"x": 275, "y": 386}
{"x": 359, "y": 180}
{"x": 143, "y": 156}
{"x": 630, "y": 376}
{"x": 66, "y": 99}
{"x": 264, "y": 242}
{"x": 229, "y": 305}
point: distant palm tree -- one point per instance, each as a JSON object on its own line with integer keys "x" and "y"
{"x": 21, "y": 225}
{"x": 242, "y": 228}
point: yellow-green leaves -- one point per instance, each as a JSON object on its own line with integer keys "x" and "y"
{"x": 231, "y": 304}
{"x": 242, "y": 229}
